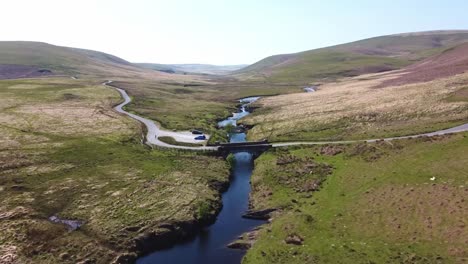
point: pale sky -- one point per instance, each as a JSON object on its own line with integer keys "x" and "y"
{"x": 217, "y": 31}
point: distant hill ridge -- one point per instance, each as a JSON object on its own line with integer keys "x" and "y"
{"x": 364, "y": 56}
{"x": 19, "y": 59}
{"x": 192, "y": 68}
{"x": 27, "y": 59}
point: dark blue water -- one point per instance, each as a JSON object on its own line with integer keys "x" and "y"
{"x": 209, "y": 246}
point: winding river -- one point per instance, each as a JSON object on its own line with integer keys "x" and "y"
{"x": 210, "y": 245}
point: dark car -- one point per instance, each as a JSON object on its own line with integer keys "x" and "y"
{"x": 202, "y": 137}
{"x": 197, "y": 132}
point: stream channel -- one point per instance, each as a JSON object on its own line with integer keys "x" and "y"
{"x": 209, "y": 246}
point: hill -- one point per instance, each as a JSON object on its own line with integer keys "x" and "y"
{"x": 31, "y": 59}
{"x": 192, "y": 68}
{"x": 372, "y": 55}
{"x": 423, "y": 97}
{"x": 450, "y": 62}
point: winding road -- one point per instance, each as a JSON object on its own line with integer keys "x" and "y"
{"x": 154, "y": 131}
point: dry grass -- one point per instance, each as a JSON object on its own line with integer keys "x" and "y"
{"x": 354, "y": 108}
{"x": 33, "y": 110}
{"x": 65, "y": 152}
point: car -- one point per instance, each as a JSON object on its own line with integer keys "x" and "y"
{"x": 202, "y": 137}
{"x": 197, "y": 132}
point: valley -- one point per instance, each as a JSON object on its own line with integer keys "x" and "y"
{"x": 79, "y": 142}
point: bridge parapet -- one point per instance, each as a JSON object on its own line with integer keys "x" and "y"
{"x": 247, "y": 143}
{"x": 253, "y": 147}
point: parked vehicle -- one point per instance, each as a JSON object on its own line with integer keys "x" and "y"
{"x": 202, "y": 137}
{"x": 197, "y": 132}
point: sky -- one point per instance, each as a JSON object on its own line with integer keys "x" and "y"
{"x": 218, "y": 32}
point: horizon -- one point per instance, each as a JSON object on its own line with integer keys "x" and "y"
{"x": 246, "y": 64}
{"x": 208, "y": 32}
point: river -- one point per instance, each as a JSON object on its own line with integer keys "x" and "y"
{"x": 209, "y": 246}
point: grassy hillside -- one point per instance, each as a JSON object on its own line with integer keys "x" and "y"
{"x": 351, "y": 59}
{"x": 356, "y": 108}
{"x": 62, "y": 60}
{"x": 399, "y": 202}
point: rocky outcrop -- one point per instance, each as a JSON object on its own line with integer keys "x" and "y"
{"x": 245, "y": 241}
{"x": 294, "y": 239}
{"x": 240, "y": 244}
{"x": 330, "y": 150}
{"x": 260, "y": 214}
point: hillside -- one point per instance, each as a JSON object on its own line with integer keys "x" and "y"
{"x": 192, "y": 68}
{"x": 31, "y": 59}
{"x": 365, "y": 56}
{"x": 423, "y": 97}
{"x": 450, "y": 62}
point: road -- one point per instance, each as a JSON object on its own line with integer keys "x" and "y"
{"x": 154, "y": 131}
{"x": 457, "y": 129}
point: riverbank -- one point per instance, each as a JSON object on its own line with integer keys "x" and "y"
{"x": 382, "y": 202}
{"x": 210, "y": 245}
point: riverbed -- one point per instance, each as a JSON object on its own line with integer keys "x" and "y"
{"x": 209, "y": 246}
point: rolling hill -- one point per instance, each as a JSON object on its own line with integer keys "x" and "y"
{"x": 365, "y": 56}
{"x": 19, "y": 59}
{"x": 450, "y": 62}
{"x": 422, "y": 97}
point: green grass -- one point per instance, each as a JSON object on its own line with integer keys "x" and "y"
{"x": 331, "y": 65}
{"x": 378, "y": 206}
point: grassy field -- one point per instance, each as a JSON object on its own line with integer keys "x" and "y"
{"x": 399, "y": 202}
{"x": 355, "y": 109}
{"x": 64, "y": 152}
